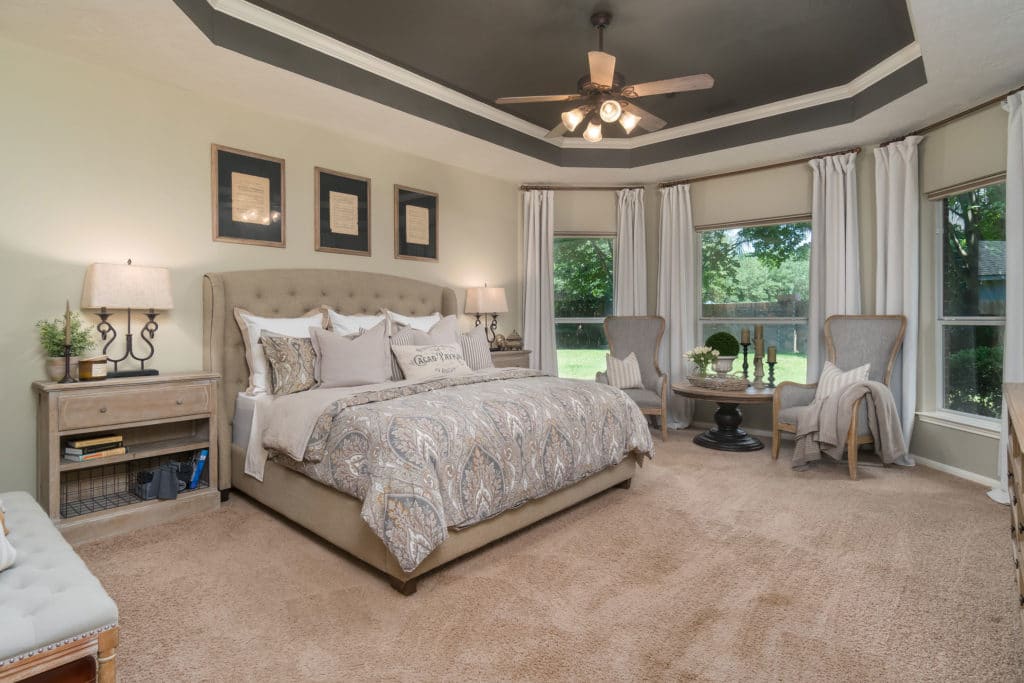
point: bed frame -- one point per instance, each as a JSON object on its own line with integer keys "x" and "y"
{"x": 328, "y": 513}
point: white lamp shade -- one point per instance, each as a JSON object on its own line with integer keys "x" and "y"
{"x": 118, "y": 286}
{"x": 486, "y": 300}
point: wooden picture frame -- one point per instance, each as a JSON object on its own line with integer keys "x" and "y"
{"x": 331, "y": 190}
{"x": 247, "y": 184}
{"x": 424, "y": 242}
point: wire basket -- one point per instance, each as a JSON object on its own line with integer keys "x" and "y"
{"x": 719, "y": 383}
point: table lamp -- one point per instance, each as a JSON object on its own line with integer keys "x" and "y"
{"x": 487, "y": 301}
{"x": 110, "y": 286}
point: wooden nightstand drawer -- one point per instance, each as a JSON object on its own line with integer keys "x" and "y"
{"x": 510, "y": 359}
{"x": 132, "y": 405}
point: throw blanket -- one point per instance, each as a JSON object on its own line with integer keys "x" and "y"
{"x": 452, "y": 452}
{"x": 822, "y": 427}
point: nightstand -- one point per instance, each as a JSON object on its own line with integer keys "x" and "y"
{"x": 510, "y": 359}
{"x": 160, "y": 419}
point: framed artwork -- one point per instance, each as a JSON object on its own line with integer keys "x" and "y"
{"x": 416, "y": 224}
{"x": 248, "y": 197}
{"x": 342, "y": 212}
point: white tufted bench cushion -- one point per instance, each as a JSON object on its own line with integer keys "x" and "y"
{"x": 49, "y": 596}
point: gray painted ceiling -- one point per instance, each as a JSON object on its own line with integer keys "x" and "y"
{"x": 758, "y": 51}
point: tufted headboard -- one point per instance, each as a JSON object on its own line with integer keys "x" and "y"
{"x": 290, "y": 293}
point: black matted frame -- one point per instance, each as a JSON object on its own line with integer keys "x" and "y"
{"x": 325, "y": 181}
{"x": 224, "y": 161}
{"x": 406, "y": 196}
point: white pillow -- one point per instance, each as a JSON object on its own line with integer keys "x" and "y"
{"x": 624, "y": 373}
{"x": 832, "y": 379}
{"x": 422, "y": 322}
{"x": 444, "y": 331}
{"x": 351, "y": 324}
{"x": 431, "y": 362}
{"x": 7, "y": 553}
{"x": 253, "y": 326}
{"x": 475, "y": 348}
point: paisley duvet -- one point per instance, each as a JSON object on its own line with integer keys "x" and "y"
{"x": 427, "y": 456}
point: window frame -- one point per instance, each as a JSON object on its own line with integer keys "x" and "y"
{"x": 560, "y": 234}
{"x": 698, "y": 251}
{"x": 942, "y": 321}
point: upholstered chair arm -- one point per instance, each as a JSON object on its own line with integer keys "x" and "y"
{"x": 601, "y": 377}
{"x": 791, "y": 394}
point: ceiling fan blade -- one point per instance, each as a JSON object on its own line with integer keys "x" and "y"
{"x": 537, "y": 98}
{"x": 681, "y": 84}
{"x": 558, "y": 131}
{"x": 648, "y": 121}
{"x": 602, "y": 68}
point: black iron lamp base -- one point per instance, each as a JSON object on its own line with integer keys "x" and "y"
{"x": 728, "y": 436}
{"x": 134, "y": 373}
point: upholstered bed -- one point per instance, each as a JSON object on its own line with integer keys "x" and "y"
{"x": 327, "y": 512}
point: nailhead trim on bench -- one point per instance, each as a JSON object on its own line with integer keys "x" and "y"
{"x": 51, "y": 646}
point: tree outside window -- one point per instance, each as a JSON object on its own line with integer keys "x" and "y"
{"x": 584, "y": 281}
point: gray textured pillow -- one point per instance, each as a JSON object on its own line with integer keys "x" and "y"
{"x": 349, "y": 361}
{"x": 475, "y": 348}
{"x": 292, "y": 362}
{"x": 445, "y": 331}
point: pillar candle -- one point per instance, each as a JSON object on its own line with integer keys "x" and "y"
{"x": 758, "y": 331}
{"x": 771, "y": 354}
{"x": 745, "y": 336}
{"x": 759, "y": 347}
{"x": 67, "y": 323}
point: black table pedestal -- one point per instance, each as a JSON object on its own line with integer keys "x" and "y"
{"x": 728, "y": 436}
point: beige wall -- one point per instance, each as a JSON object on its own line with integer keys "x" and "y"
{"x": 105, "y": 166}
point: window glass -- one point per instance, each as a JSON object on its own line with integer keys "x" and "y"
{"x": 584, "y": 280}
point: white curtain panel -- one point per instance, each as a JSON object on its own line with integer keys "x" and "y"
{"x": 630, "y": 253}
{"x": 539, "y": 289}
{"x": 835, "y": 262}
{"x": 1013, "y": 339}
{"x": 898, "y": 255}
{"x": 677, "y": 294}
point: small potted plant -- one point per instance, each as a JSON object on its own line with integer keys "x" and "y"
{"x": 702, "y": 357}
{"x": 51, "y": 336}
{"x": 728, "y": 348}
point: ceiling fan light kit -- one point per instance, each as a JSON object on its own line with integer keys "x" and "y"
{"x": 606, "y": 90}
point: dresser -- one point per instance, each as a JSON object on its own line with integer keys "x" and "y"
{"x": 510, "y": 359}
{"x": 160, "y": 420}
{"x": 1013, "y": 394}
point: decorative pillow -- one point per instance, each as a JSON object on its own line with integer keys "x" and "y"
{"x": 422, "y": 322}
{"x": 445, "y": 331}
{"x": 292, "y": 362}
{"x": 253, "y": 326}
{"x": 475, "y": 348}
{"x": 7, "y": 552}
{"x": 352, "y": 324}
{"x": 832, "y": 379}
{"x": 352, "y": 360}
{"x": 624, "y": 373}
{"x": 432, "y": 361}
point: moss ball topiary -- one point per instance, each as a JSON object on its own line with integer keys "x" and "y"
{"x": 724, "y": 343}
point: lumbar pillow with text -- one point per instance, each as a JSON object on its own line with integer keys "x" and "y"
{"x": 475, "y": 348}
{"x": 444, "y": 331}
{"x": 253, "y": 326}
{"x": 420, "y": 322}
{"x": 351, "y": 324}
{"x": 832, "y": 379}
{"x": 352, "y": 360}
{"x": 292, "y": 362}
{"x": 624, "y": 373}
{"x": 433, "y": 361}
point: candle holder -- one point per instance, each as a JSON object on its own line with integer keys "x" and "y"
{"x": 758, "y": 372}
{"x": 746, "y": 374}
{"x": 771, "y": 374}
{"x": 67, "y": 379}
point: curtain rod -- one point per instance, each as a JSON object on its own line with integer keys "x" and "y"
{"x": 779, "y": 164}
{"x": 581, "y": 188}
{"x": 955, "y": 117}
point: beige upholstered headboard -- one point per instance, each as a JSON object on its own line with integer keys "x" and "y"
{"x": 290, "y": 293}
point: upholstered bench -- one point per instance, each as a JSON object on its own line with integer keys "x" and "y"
{"x": 53, "y": 611}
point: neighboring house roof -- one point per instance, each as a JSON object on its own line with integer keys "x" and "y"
{"x": 992, "y": 260}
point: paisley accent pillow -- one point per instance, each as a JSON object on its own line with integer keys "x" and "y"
{"x": 433, "y": 361}
{"x": 292, "y": 363}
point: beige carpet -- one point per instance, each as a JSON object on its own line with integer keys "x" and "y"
{"x": 713, "y": 566}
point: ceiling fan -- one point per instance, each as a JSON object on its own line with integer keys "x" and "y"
{"x": 606, "y": 92}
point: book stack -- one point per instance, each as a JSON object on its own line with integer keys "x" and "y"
{"x": 94, "y": 448}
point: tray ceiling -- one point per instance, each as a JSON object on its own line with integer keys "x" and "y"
{"x": 780, "y": 68}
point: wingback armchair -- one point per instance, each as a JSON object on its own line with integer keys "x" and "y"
{"x": 851, "y": 341}
{"x": 641, "y": 335}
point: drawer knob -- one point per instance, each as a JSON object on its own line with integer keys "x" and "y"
{"x": 103, "y": 409}
{"x": 180, "y": 401}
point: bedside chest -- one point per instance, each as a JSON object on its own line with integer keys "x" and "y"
{"x": 510, "y": 359}
{"x": 160, "y": 419}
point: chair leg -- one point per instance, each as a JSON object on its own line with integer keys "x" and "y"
{"x": 776, "y": 442}
{"x": 663, "y": 418}
{"x": 851, "y": 444}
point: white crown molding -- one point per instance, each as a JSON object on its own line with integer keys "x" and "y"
{"x": 295, "y": 32}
